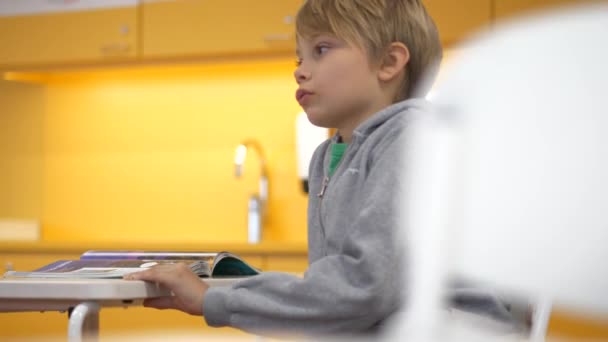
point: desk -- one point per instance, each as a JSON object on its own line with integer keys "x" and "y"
{"x": 82, "y": 298}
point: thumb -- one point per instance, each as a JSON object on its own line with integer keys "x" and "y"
{"x": 161, "y": 303}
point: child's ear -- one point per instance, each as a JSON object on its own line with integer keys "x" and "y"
{"x": 394, "y": 61}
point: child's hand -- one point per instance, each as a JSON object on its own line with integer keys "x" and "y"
{"x": 188, "y": 289}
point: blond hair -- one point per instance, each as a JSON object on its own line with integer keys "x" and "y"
{"x": 373, "y": 25}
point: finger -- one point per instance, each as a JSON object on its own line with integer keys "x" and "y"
{"x": 142, "y": 275}
{"x": 160, "y": 303}
{"x": 160, "y": 274}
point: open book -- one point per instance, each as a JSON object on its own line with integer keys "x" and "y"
{"x": 115, "y": 264}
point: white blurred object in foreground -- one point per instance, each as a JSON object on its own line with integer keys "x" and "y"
{"x": 509, "y": 176}
{"x": 308, "y": 138}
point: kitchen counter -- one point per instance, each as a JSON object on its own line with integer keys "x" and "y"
{"x": 264, "y": 248}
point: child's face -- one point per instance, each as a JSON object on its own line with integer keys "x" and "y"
{"x": 338, "y": 86}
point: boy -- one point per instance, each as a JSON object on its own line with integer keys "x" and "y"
{"x": 358, "y": 60}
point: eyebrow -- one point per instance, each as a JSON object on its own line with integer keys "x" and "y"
{"x": 314, "y": 40}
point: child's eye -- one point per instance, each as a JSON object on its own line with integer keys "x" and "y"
{"x": 321, "y": 49}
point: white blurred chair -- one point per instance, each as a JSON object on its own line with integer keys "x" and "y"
{"x": 508, "y": 182}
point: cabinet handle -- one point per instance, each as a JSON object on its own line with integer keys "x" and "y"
{"x": 115, "y": 49}
{"x": 8, "y": 266}
{"x": 277, "y": 37}
{"x": 124, "y": 30}
{"x": 288, "y": 19}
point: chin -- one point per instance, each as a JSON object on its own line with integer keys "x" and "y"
{"x": 317, "y": 120}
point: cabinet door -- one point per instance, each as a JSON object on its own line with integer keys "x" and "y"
{"x": 455, "y": 20}
{"x": 62, "y": 32}
{"x": 506, "y": 8}
{"x": 217, "y": 27}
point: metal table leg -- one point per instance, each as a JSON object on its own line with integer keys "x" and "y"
{"x": 83, "y": 324}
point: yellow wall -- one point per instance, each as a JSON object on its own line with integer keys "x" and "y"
{"x": 147, "y": 154}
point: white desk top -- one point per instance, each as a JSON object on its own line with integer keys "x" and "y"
{"x": 35, "y": 294}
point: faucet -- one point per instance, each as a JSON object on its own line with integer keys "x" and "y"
{"x": 256, "y": 207}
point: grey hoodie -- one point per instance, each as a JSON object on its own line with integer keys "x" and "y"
{"x": 353, "y": 282}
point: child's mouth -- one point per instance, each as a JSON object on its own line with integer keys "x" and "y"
{"x": 302, "y": 95}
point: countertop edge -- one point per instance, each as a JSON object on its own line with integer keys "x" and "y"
{"x": 264, "y": 248}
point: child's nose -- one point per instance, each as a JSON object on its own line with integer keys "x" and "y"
{"x": 301, "y": 75}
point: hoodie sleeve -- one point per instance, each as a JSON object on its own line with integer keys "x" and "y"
{"x": 348, "y": 292}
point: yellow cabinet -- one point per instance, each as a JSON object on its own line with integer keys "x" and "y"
{"x": 287, "y": 263}
{"x": 506, "y": 8}
{"x": 217, "y": 27}
{"x": 49, "y": 36}
{"x": 455, "y": 20}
